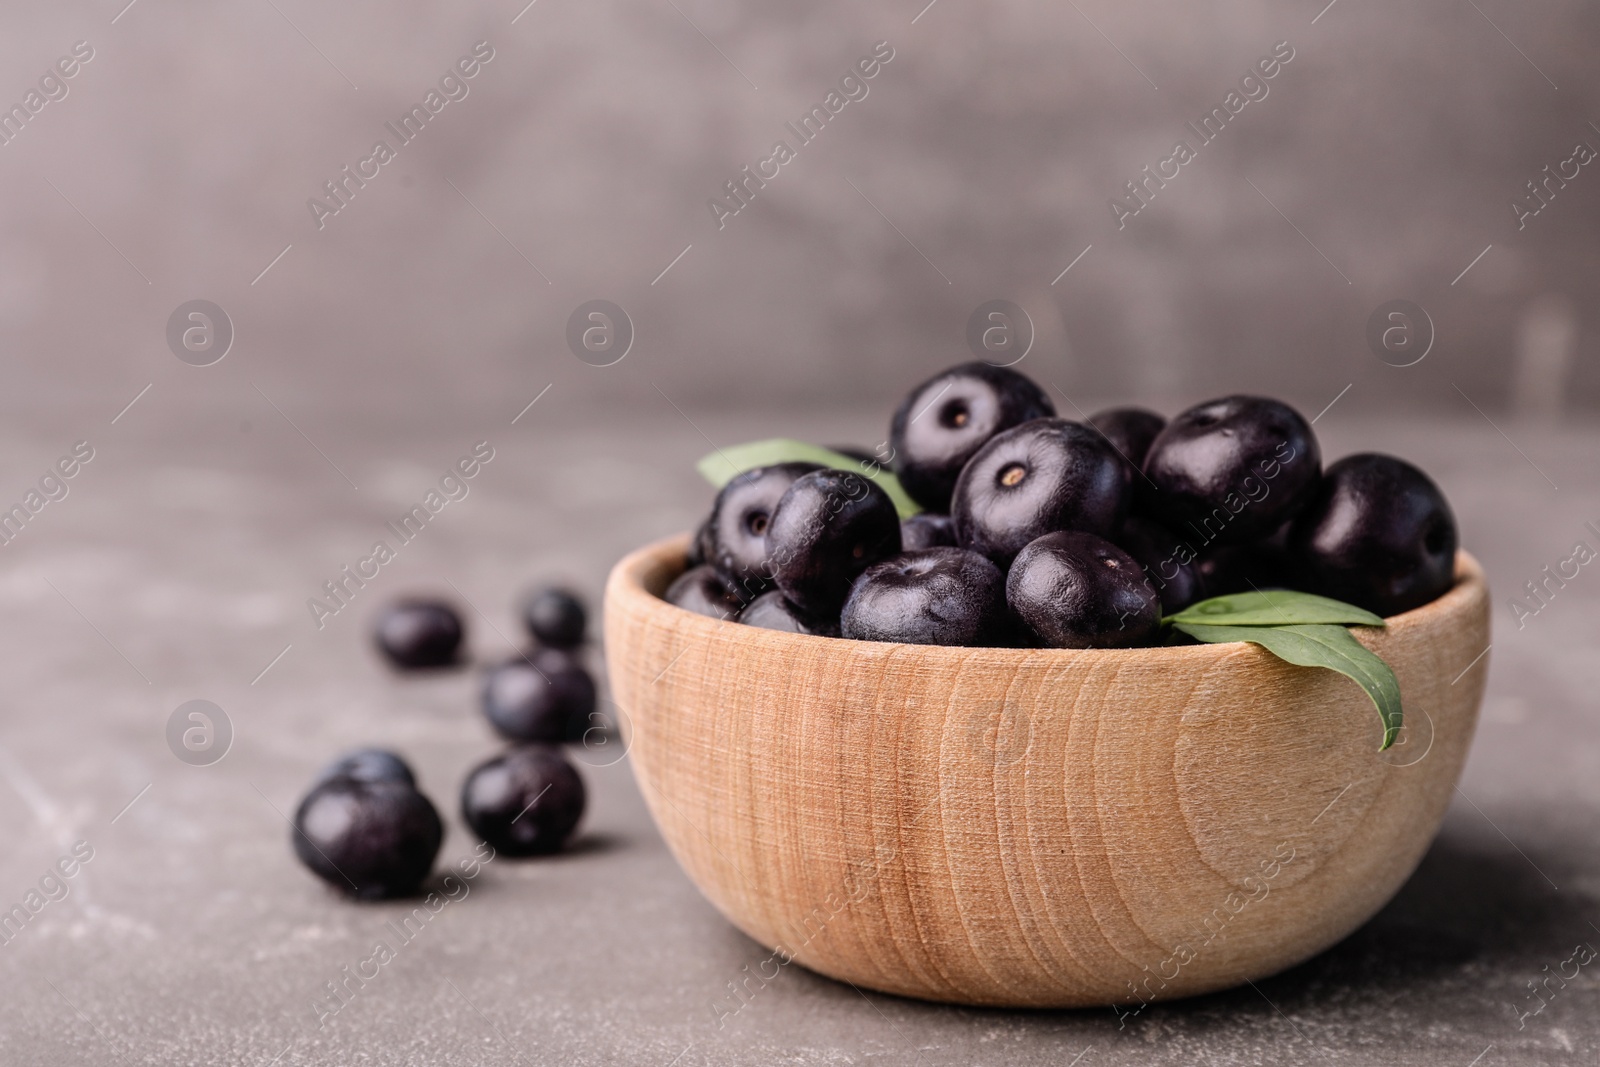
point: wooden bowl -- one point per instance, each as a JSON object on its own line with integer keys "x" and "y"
{"x": 1036, "y": 828}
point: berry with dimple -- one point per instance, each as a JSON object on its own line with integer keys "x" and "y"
{"x": 704, "y": 591}
{"x": 1232, "y": 470}
{"x": 524, "y": 802}
{"x": 934, "y": 596}
{"x": 1169, "y": 563}
{"x": 368, "y": 838}
{"x": 740, "y": 518}
{"x": 555, "y": 618}
{"x": 539, "y": 697}
{"x": 1076, "y": 590}
{"x": 771, "y": 611}
{"x": 829, "y": 527}
{"x": 1037, "y": 478}
{"x": 369, "y": 765}
{"x": 943, "y": 422}
{"x": 927, "y": 530}
{"x": 419, "y": 633}
{"x": 1378, "y": 534}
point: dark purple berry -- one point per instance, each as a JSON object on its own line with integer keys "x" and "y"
{"x": 568, "y": 675}
{"x": 555, "y": 617}
{"x": 1037, "y": 478}
{"x": 1130, "y": 431}
{"x": 368, "y": 838}
{"x": 538, "y": 698}
{"x": 935, "y": 596}
{"x": 943, "y": 422}
{"x": 369, "y": 765}
{"x": 419, "y": 633}
{"x": 771, "y": 611}
{"x": 1168, "y": 562}
{"x": 829, "y": 527}
{"x": 1226, "y": 569}
{"x": 1232, "y": 470}
{"x": 739, "y": 521}
{"x": 1076, "y": 590}
{"x": 525, "y": 802}
{"x": 927, "y": 530}
{"x": 700, "y": 544}
{"x": 1379, "y": 534}
{"x": 705, "y": 591}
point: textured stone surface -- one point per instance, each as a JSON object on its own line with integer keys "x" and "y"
{"x": 189, "y": 545}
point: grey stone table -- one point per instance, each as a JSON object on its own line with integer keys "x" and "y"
{"x": 178, "y": 567}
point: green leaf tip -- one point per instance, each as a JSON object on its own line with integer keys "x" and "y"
{"x": 1274, "y": 607}
{"x": 720, "y": 467}
{"x": 1330, "y": 646}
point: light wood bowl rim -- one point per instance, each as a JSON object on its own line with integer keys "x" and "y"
{"x": 642, "y": 575}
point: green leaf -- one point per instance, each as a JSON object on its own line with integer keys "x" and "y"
{"x": 1332, "y": 647}
{"x": 1274, "y": 607}
{"x": 720, "y": 467}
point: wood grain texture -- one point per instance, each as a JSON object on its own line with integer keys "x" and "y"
{"x": 1038, "y": 828}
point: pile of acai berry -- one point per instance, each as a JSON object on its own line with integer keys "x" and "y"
{"x": 367, "y": 829}
{"x": 1002, "y": 524}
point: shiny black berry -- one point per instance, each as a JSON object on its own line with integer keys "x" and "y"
{"x": 525, "y": 802}
{"x": 1130, "y": 431}
{"x": 1168, "y": 562}
{"x": 700, "y": 544}
{"x": 927, "y": 530}
{"x": 943, "y": 422}
{"x": 369, "y": 765}
{"x": 739, "y": 521}
{"x": 368, "y": 838}
{"x": 419, "y": 633}
{"x": 1076, "y": 590}
{"x": 771, "y": 611}
{"x": 1232, "y": 470}
{"x": 555, "y": 617}
{"x": 1378, "y": 534}
{"x": 1225, "y": 569}
{"x": 829, "y": 527}
{"x": 538, "y": 698}
{"x": 569, "y": 676}
{"x": 934, "y": 596}
{"x": 1037, "y": 478}
{"x": 705, "y": 591}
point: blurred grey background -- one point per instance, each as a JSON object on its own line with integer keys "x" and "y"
{"x": 982, "y": 162}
